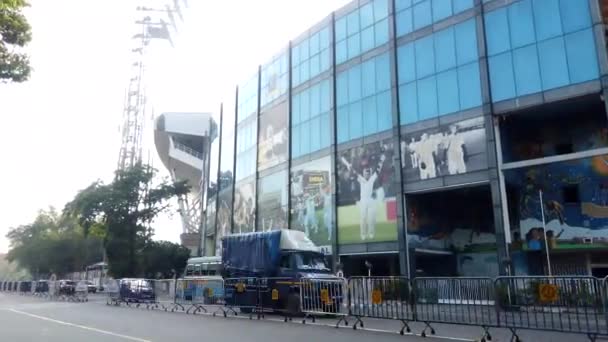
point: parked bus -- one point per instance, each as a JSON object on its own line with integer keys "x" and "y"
{"x": 97, "y": 274}
{"x": 203, "y": 266}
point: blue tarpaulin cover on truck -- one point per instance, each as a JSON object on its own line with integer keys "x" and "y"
{"x": 251, "y": 254}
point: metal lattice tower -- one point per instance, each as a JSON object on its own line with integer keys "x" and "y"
{"x": 134, "y": 110}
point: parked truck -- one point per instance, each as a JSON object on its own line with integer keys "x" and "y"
{"x": 277, "y": 271}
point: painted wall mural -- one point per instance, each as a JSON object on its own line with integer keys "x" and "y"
{"x": 575, "y": 203}
{"x": 273, "y": 137}
{"x": 244, "y": 208}
{"x": 447, "y": 150}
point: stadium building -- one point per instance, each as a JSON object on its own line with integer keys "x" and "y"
{"x": 426, "y": 137}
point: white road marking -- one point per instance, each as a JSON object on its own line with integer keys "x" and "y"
{"x": 105, "y": 332}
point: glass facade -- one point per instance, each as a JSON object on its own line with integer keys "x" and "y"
{"x": 363, "y": 99}
{"x": 535, "y": 46}
{"x": 361, "y": 30}
{"x": 439, "y": 73}
{"x": 412, "y": 15}
{"x": 310, "y": 119}
{"x": 311, "y": 57}
{"x": 326, "y": 156}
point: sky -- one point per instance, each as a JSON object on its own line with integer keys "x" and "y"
{"x": 61, "y": 128}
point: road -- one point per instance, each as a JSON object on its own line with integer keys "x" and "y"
{"x": 35, "y": 319}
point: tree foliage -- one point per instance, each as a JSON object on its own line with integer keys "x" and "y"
{"x": 15, "y": 33}
{"x": 163, "y": 259}
{"x": 126, "y": 208}
{"x": 52, "y": 244}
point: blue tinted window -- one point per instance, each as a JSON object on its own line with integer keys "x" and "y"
{"x": 402, "y": 4}
{"x": 342, "y": 89}
{"x": 526, "y": 70}
{"x": 354, "y": 83}
{"x": 325, "y": 130}
{"x": 355, "y": 118}
{"x": 404, "y": 22}
{"x": 340, "y": 28}
{"x": 441, "y": 9}
{"x": 354, "y": 46}
{"x": 501, "y": 78}
{"x": 383, "y": 72}
{"x": 447, "y": 91}
{"x": 427, "y": 98}
{"x": 381, "y": 32}
{"x": 367, "y": 15}
{"x": 422, "y": 14}
{"x": 341, "y": 55}
{"x": 497, "y": 31}
{"x": 369, "y": 78}
{"x": 469, "y": 86}
{"x": 311, "y": 57}
{"x": 547, "y": 19}
{"x": 575, "y": 15}
{"x": 383, "y": 108}
{"x": 342, "y": 123}
{"x": 325, "y": 96}
{"x": 367, "y": 38}
{"x": 305, "y": 137}
{"x": 521, "y": 23}
{"x": 462, "y": 5}
{"x": 380, "y": 9}
{"x": 315, "y": 134}
{"x": 370, "y": 121}
{"x": 425, "y": 57}
{"x": 445, "y": 48}
{"x": 466, "y": 42}
{"x": 553, "y": 65}
{"x": 408, "y": 103}
{"x": 582, "y": 58}
{"x": 352, "y": 23}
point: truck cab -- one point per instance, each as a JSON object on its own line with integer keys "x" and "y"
{"x": 302, "y": 264}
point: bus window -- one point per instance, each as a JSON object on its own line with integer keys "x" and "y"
{"x": 197, "y": 270}
{"x": 189, "y": 270}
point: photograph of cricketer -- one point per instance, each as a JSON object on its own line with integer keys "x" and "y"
{"x": 367, "y": 206}
{"x": 312, "y": 201}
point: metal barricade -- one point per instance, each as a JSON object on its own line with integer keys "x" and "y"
{"x": 464, "y": 300}
{"x": 279, "y": 295}
{"x": 382, "y": 298}
{"x": 81, "y": 292}
{"x": 164, "y": 294}
{"x": 112, "y": 290}
{"x": 42, "y": 289}
{"x": 242, "y": 294}
{"x": 561, "y": 304}
{"x": 199, "y": 294}
{"x": 324, "y": 296}
{"x": 25, "y": 287}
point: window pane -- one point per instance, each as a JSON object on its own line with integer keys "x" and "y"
{"x": 575, "y": 15}
{"x": 521, "y": 24}
{"x": 315, "y": 134}
{"x": 441, "y": 9}
{"x": 422, "y": 14}
{"x": 380, "y": 9}
{"x": 305, "y": 71}
{"x": 527, "y": 73}
{"x": 295, "y": 110}
{"x": 352, "y": 23}
{"x": 325, "y": 95}
{"x": 368, "y": 78}
{"x": 325, "y": 130}
{"x": 447, "y": 92}
{"x": 370, "y": 120}
{"x": 342, "y": 88}
{"x": 383, "y": 72}
{"x": 469, "y": 86}
{"x": 582, "y": 58}
{"x": 340, "y": 28}
{"x": 304, "y": 50}
{"x": 407, "y": 63}
{"x": 324, "y": 38}
{"x": 324, "y": 60}
{"x": 466, "y": 42}
{"x": 314, "y": 44}
{"x": 502, "y": 81}
{"x": 341, "y": 55}
{"x": 547, "y": 19}
{"x": 461, "y": 5}
{"x": 381, "y": 29}
{"x": 367, "y": 15}
{"x": 384, "y": 111}
{"x": 314, "y": 66}
{"x": 305, "y": 106}
{"x": 305, "y": 137}
{"x": 354, "y": 46}
{"x": 295, "y": 141}
{"x": 315, "y": 101}
{"x": 295, "y": 55}
{"x": 367, "y": 39}
{"x": 401, "y": 4}
{"x": 404, "y": 22}
{"x": 425, "y": 57}
{"x": 295, "y": 74}
{"x": 408, "y": 103}
{"x": 445, "y": 49}
{"x": 355, "y": 117}
{"x": 497, "y": 31}
{"x": 354, "y": 83}
{"x": 342, "y": 124}
{"x": 427, "y": 98}
{"x": 553, "y": 65}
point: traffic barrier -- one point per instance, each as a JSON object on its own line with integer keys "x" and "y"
{"x": 164, "y": 294}
{"x": 561, "y": 304}
{"x": 462, "y": 300}
{"x": 242, "y": 294}
{"x": 324, "y": 296}
{"x": 382, "y": 298}
{"x": 199, "y": 294}
{"x": 112, "y": 291}
{"x": 280, "y": 295}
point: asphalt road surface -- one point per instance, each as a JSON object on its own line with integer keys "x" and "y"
{"x": 34, "y": 319}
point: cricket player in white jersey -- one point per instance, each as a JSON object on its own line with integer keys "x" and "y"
{"x": 455, "y": 152}
{"x": 327, "y": 211}
{"x": 310, "y": 219}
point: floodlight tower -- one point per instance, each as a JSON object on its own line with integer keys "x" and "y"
{"x": 134, "y": 109}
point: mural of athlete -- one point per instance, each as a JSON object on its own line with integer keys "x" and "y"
{"x": 327, "y": 211}
{"x": 368, "y": 197}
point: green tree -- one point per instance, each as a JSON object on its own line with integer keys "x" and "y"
{"x": 163, "y": 259}
{"x": 126, "y": 208}
{"x": 15, "y": 33}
